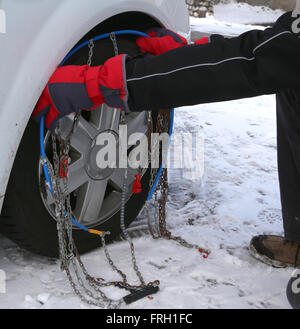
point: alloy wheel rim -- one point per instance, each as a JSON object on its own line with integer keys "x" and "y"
{"x": 95, "y": 193}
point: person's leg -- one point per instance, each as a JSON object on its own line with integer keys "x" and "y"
{"x": 288, "y": 139}
{"x": 276, "y": 250}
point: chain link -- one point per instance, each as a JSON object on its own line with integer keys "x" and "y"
{"x": 160, "y": 210}
{"x": 124, "y": 193}
{"x": 67, "y": 248}
{"x": 113, "y": 38}
{"x": 91, "y": 46}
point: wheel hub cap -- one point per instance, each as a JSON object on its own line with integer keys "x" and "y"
{"x": 91, "y": 166}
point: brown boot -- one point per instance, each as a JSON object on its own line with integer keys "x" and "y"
{"x": 275, "y": 250}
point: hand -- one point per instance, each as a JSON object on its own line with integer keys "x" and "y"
{"x": 74, "y": 88}
{"x": 160, "y": 41}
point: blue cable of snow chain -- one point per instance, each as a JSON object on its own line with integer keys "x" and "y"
{"x": 100, "y": 37}
{"x": 42, "y": 122}
{"x": 163, "y": 164}
{"x": 43, "y": 154}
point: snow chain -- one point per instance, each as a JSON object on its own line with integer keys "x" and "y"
{"x": 90, "y": 291}
{"x": 161, "y": 193}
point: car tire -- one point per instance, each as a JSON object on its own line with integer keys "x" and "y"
{"x": 24, "y": 218}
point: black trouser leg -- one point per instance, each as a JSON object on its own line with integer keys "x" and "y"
{"x": 288, "y": 136}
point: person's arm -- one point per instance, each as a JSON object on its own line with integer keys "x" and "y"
{"x": 252, "y": 64}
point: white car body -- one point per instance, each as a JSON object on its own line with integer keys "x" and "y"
{"x": 38, "y": 35}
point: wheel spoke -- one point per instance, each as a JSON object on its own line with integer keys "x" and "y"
{"x": 117, "y": 178}
{"x": 65, "y": 124}
{"x": 95, "y": 117}
{"x": 109, "y": 118}
{"x": 87, "y": 128}
{"x": 77, "y": 175}
{"x": 89, "y": 201}
{"x": 81, "y": 142}
{"x": 137, "y": 123}
{"x": 115, "y": 119}
{"x": 82, "y": 136}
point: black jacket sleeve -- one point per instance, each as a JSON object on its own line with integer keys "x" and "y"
{"x": 252, "y": 64}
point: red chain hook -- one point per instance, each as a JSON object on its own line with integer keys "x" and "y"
{"x": 137, "y": 185}
{"x": 63, "y": 168}
{"x": 204, "y": 252}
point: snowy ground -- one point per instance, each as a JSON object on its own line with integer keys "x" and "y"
{"x": 235, "y": 18}
{"x": 237, "y": 198}
{"x": 242, "y": 13}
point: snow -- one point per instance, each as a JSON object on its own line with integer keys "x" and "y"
{"x": 242, "y": 13}
{"x": 237, "y": 198}
{"x": 232, "y": 19}
{"x": 211, "y": 25}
